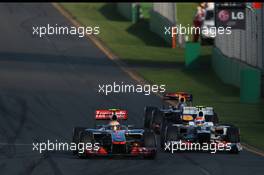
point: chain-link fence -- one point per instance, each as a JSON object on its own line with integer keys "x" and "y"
{"x": 243, "y": 49}
{"x": 245, "y": 45}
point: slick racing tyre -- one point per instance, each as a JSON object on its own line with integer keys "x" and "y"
{"x": 232, "y": 136}
{"x": 76, "y": 136}
{"x": 150, "y": 142}
{"x": 164, "y": 125}
{"x": 171, "y": 134}
{"x": 85, "y": 137}
{"x": 156, "y": 120}
{"x": 215, "y": 119}
{"x": 212, "y": 118}
{"x": 148, "y": 116}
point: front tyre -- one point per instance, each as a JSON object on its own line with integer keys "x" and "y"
{"x": 85, "y": 138}
{"x": 171, "y": 135}
{"x": 76, "y": 136}
{"x": 151, "y": 143}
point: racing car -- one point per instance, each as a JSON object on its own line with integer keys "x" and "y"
{"x": 154, "y": 116}
{"x": 114, "y": 138}
{"x": 195, "y": 129}
{"x": 210, "y": 116}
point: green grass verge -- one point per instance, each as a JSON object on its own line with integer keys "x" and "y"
{"x": 185, "y": 14}
{"x": 135, "y": 44}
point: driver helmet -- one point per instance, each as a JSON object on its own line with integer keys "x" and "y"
{"x": 200, "y": 120}
{"x": 182, "y": 99}
{"x": 182, "y": 104}
{"x": 114, "y": 123}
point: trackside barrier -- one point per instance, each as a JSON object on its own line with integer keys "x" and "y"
{"x": 262, "y": 84}
{"x": 245, "y": 45}
{"x": 163, "y": 15}
{"x": 191, "y": 52}
{"x": 135, "y": 12}
{"x": 125, "y": 9}
{"x": 157, "y": 24}
{"x": 250, "y": 85}
{"x": 231, "y": 71}
{"x": 130, "y": 11}
{"x": 226, "y": 68}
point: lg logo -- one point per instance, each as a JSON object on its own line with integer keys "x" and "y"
{"x": 224, "y": 15}
{"x": 237, "y": 15}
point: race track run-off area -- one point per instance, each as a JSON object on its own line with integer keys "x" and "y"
{"x": 49, "y": 85}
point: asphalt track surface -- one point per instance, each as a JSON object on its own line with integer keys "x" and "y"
{"x": 49, "y": 85}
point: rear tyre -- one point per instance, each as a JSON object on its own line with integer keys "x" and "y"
{"x": 150, "y": 142}
{"x": 216, "y": 119}
{"x": 212, "y": 118}
{"x": 232, "y": 136}
{"x": 171, "y": 134}
{"x": 76, "y": 136}
{"x": 148, "y": 116}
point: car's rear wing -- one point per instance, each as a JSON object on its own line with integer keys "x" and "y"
{"x": 178, "y": 95}
{"x": 107, "y": 114}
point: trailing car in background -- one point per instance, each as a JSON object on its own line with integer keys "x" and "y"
{"x": 154, "y": 116}
{"x": 114, "y": 138}
{"x": 198, "y": 126}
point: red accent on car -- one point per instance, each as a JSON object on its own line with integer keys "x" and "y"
{"x": 142, "y": 150}
{"x": 135, "y": 151}
{"x": 118, "y": 143}
{"x": 102, "y": 151}
{"x": 177, "y": 96}
{"x": 107, "y": 114}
